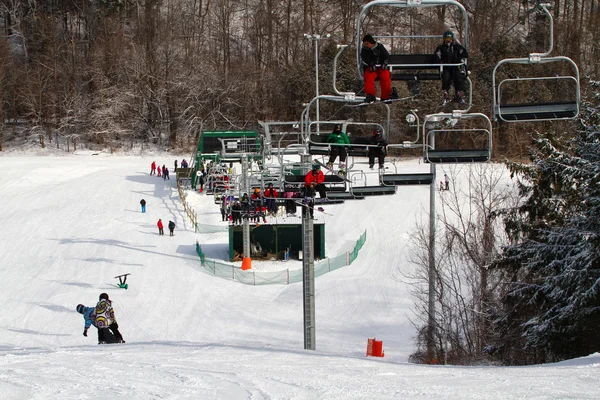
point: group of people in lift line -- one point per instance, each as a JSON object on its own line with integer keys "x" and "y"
{"x": 164, "y": 171}
{"x": 102, "y": 317}
{"x": 375, "y": 61}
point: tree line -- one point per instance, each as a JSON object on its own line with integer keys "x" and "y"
{"x": 161, "y": 71}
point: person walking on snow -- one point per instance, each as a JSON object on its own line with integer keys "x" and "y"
{"x": 339, "y": 139}
{"x": 171, "y": 228}
{"x": 89, "y": 318}
{"x": 223, "y": 208}
{"x": 106, "y": 322}
{"x": 166, "y": 174}
{"x": 153, "y": 168}
{"x": 159, "y": 169}
{"x": 447, "y": 181}
{"x": 160, "y": 227}
{"x": 175, "y": 169}
{"x": 143, "y": 204}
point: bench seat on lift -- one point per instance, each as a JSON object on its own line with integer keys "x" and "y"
{"x": 457, "y": 156}
{"x": 407, "y": 179}
{"x": 372, "y": 190}
{"x": 337, "y": 196}
{"x": 541, "y": 111}
{"x": 417, "y": 63}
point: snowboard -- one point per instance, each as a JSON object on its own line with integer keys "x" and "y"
{"x": 388, "y": 101}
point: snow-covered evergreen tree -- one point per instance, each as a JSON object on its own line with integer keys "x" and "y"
{"x": 552, "y": 302}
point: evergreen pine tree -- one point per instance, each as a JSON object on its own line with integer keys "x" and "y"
{"x": 552, "y": 302}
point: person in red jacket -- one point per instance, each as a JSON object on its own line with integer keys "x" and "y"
{"x": 160, "y": 227}
{"x": 313, "y": 182}
{"x": 153, "y": 168}
{"x": 270, "y": 196}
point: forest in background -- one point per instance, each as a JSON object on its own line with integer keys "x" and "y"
{"x": 112, "y": 72}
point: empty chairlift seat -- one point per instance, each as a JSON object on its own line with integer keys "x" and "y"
{"x": 538, "y": 112}
{"x": 406, "y": 179}
{"x": 372, "y": 190}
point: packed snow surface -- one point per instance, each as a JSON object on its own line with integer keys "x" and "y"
{"x": 71, "y": 224}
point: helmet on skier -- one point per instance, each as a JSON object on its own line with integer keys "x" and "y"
{"x": 448, "y": 36}
{"x": 103, "y": 296}
{"x": 80, "y": 308}
{"x": 337, "y": 128}
{"x": 316, "y": 167}
{"x": 377, "y": 131}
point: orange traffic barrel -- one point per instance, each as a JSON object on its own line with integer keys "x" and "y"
{"x": 246, "y": 263}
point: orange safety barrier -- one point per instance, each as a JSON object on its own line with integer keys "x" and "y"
{"x": 246, "y": 263}
{"x": 375, "y": 348}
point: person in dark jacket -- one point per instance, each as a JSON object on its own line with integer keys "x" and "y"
{"x": 143, "y": 204}
{"x": 166, "y": 174}
{"x": 175, "y": 165}
{"x": 171, "y": 227}
{"x": 89, "y": 318}
{"x": 160, "y": 226}
{"x": 450, "y": 52}
{"x": 224, "y": 208}
{"x": 340, "y": 139}
{"x": 374, "y": 58}
{"x": 380, "y": 150}
{"x": 108, "y": 329}
{"x": 236, "y": 213}
{"x": 245, "y": 202}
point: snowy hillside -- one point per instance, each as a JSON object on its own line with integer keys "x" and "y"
{"x": 70, "y": 224}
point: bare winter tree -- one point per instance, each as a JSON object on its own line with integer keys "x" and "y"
{"x": 468, "y": 238}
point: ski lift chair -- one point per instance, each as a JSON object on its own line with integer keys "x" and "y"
{"x": 447, "y": 154}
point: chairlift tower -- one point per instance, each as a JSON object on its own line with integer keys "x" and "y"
{"x": 308, "y": 272}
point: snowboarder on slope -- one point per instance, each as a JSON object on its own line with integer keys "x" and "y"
{"x": 106, "y": 321}
{"x": 89, "y": 317}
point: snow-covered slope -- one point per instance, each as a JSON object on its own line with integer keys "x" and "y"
{"x": 70, "y": 224}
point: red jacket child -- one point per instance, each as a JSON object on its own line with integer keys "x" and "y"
{"x": 153, "y": 166}
{"x": 160, "y": 227}
{"x": 312, "y": 178}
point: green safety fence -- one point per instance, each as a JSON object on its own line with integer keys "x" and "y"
{"x": 287, "y": 276}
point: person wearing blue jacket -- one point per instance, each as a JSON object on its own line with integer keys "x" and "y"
{"x": 89, "y": 316}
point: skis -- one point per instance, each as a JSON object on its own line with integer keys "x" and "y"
{"x": 332, "y": 171}
{"x": 388, "y": 101}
